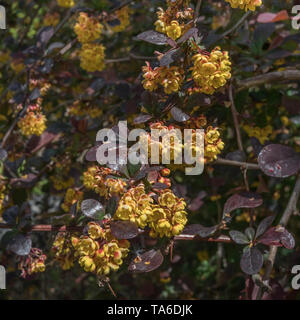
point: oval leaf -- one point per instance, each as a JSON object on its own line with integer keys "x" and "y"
{"x": 92, "y": 209}
{"x": 153, "y": 37}
{"x": 10, "y": 215}
{"x": 238, "y": 237}
{"x": 242, "y": 200}
{"x": 264, "y": 225}
{"x": 20, "y": 244}
{"x": 252, "y": 261}
{"x": 124, "y": 229}
{"x": 142, "y": 118}
{"x": 279, "y": 161}
{"x": 147, "y": 262}
{"x": 250, "y": 233}
{"x": 179, "y": 115}
{"x": 3, "y": 154}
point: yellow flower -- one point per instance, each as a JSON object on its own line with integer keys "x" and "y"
{"x": 262, "y": 134}
{"x": 173, "y": 30}
{"x": 123, "y": 16}
{"x": 87, "y": 263}
{"x": 213, "y": 145}
{"x": 168, "y": 217}
{"x": 87, "y": 28}
{"x": 86, "y": 246}
{"x": 95, "y": 179}
{"x": 95, "y": 231}
{"x": 135, "y": 206}
{"x": 211, "y": 71}
{"x": 51, "y": 19}
{"x": 72, "y": 196}
{"x": 32, "y": 123}
{"x": 92, "y": 57}
{"x": 245, "y": 4}
{"x": 63, "y": 250}
{"x": 66, "y": 3}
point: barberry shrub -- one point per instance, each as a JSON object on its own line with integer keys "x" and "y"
{"x": 69, "y": 68}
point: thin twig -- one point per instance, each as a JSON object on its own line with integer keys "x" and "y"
{"x": 235, "y": 119}
{"x": 292, "y": 74}
{"x": 244, "y": 17}
{"x": 289, "y": 210}
{"x": 197, "y": 9}
{"x": 245, "y": 165}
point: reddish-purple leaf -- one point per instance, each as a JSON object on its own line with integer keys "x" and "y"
{"x": 192, "y": 229}
{"x": 264, "y": 225}
{"x": 142, "y": 118}
{"x": 242, "y": 200}
{"x": 20, "y": 244}
{"x": 153, "y": 37}
{"x": 277, "y": 236}
{"x": 279, "y": 161}
{"x": 93, "y": 209}
{"x": 36, "y": 143}
{"x": 26, "y": 182}
{"x": 198, "y": 229}
{"x": 146, "y": 262}
{"x": 189, "y": 34}
{"x": 252, "y": 261}
{"x": 179, "y": 115}
{"x": 238, "y": 237}
{"x": 170, "y": 56}
{"x": 124, "y": 229}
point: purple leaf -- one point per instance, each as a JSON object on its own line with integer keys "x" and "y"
{"x": 252, "y": 261}
{"x": 279, "y": 161}
{"x": 153, "y": 37}
{"x": 264, "y": 225}
{"x": 147, "y": 262}
{"x": 179, "y": 115}
{"x": 124, "y": 229}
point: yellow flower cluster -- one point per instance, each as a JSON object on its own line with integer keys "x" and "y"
{"x": 61, "y": 182}
{"x": 2, "y": 197}
{"x": 51, "y": 19}
{"x": 92, "y": 57}
{"x": 211, "y": 71}
{"x": 4, "y": 57}
{"x": 72, "y": 196}
{"x": 245, "y": 4}
{"x": 95, "y": 178}
{"x": 100, "y": 252}
{"x": 91, "y": 54}
{"x": 123, "y": 15}
{"x": 262, "y": 134}
{"x": 135, "y": 206}
{"x": 34, "y": 262}
{"x": 66, "y": 3}
{"x": 170, "y": 78}
{"x": 166, "y": 218}
{"x": 78, "y": 110}
{"x": 34, "y": 122}
{"x": 17, "y": 66}
{"x": 168, "y": 20}
{"x": 213, "y": 144}
{"x": 63, "y": 251}
{"x": 171, "y": 144}
{"x": 38, "y": 265}
{"x": 87, "y": 28}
